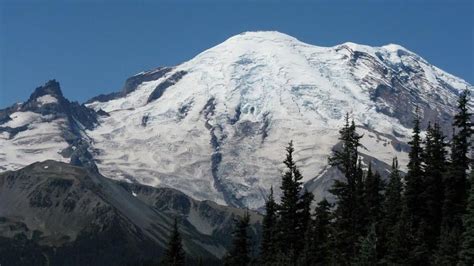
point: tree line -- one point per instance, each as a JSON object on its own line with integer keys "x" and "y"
{"x": 423, "y": 217}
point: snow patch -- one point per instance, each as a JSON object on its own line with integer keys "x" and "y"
{"x": 47, "y": 99}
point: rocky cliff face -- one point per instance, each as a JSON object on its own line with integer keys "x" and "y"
{"x": 72, "y": 216}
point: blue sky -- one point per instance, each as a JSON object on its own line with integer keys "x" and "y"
{"x": 91, "y": 47}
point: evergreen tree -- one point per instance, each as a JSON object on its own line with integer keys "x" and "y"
{"x": 373, "y": 205}
{"x": 373, "y": 196}
{"x": 305, "y": 211}
{"x": 348, "y": 223}
{"x": 414, "y": 206}
{"x": 455, "y": 184}
{"x": 392, "y": 225}
{"x": 467, "y": 247}
{"x": 414, "y": 177}
{"x": 174, "y": 254}
{"x": 319, "y": 246}
{"x": 268, "y": 249}
{"x": 434, "y": 158}
{"x": 393, "y": 198}
{"x": 240, "y": 250}
{"x": 291, "y": 211}
{"x": 367, "y": 254}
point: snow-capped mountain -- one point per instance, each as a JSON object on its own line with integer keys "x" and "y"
{"x": 215, "y": 127}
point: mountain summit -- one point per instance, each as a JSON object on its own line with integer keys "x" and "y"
{"x": 215, "y": 126}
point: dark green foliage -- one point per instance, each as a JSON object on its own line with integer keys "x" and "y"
{"x": 434, "y": 159}
{"x": 174, "y": 254}
{"x": 413, "y": 199}
{"x": 318, "y": 245}
{"x": 293, "y": 211}
{"x": 373, "y": 196}
{"x": 367, "y": 254}
{"x": 373, "y": 200}
{"x": 414, "y": 177}
{"x": 393, "y": 198}
{"x": 349, "y": 219}
{"x": 455, "y": 184}
{"x": 304, "y": 212}
{"x": 239, "y": 254}
{"x": 467, "y": 247}
{"x": 268, "y": 247}
{"x": 455, "y": 181}
{"x": 398, "y": 244}
{"x": 461, "y": 140}
{"x": 394, "y": 224}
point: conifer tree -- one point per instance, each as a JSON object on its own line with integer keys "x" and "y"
{"x": 414, "y": 177}
{"x": 291, "y": 210}
{"x": 174, "y": 254}
{"x": 239, "y": 254}
{"x": 319, "y": 247}
{"x": 391, "y": 223}
{"x": 367, "y": 254}
{"x": 455, "y": 184}
{"x": 268, "y": 249}
{"x": 434, "y": 158}
{"x": 467, "y": 247}
{"x": 305, "y": 211}
{"x": 393, "y": 198}
{"x": 399, "y": 244}
{"x": 414, "y": 188}
{"x": 348, "y": 222}
{"x": 373, "y": 196}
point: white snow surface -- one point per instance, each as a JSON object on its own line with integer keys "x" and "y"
{"x": 289, "y": 89}
{"x": 41, "y": 141}
{"x": 46, "y": 99}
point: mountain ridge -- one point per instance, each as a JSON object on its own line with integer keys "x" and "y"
{"x": 73, "y": 216}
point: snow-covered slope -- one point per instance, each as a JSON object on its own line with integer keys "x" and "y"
{"x": 217, "y": 125}
{"x": 47, "y": 126}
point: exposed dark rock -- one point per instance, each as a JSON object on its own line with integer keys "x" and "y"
{"x": 131, "y": 84}
{"x": 265, "y": 126}
{"x": 160, "y": 89}
{"x": 145, "y": 120}
{"x": 183, "y": 110}
{"x": 236, "y": 117}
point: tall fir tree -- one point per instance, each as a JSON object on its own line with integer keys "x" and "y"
{"x": 291, "y": 211}
{"x": 392, "y": 225}
{"x": 348, "y": 221}
{"x": 319, "y": 245}
{"x": 174, "y": 254}
{"x": 367, "y": 253}
{"x": 373, "y": 202}
{"x": 434, "y": 167}
{"x": 239, "y": 253}
{"x": 467, "y": 247}
{"x": 268, "y": 248}
{"x": 393, "y": 198}
{"x": 455, "y": 184}
{"x": 373, "y": 196}
{"x": 414, "y": 176}
{"x": 304, "y": 207}
{"x": 413, "y": 201}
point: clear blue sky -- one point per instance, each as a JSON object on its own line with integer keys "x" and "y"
{"x": 91, "y": 47}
